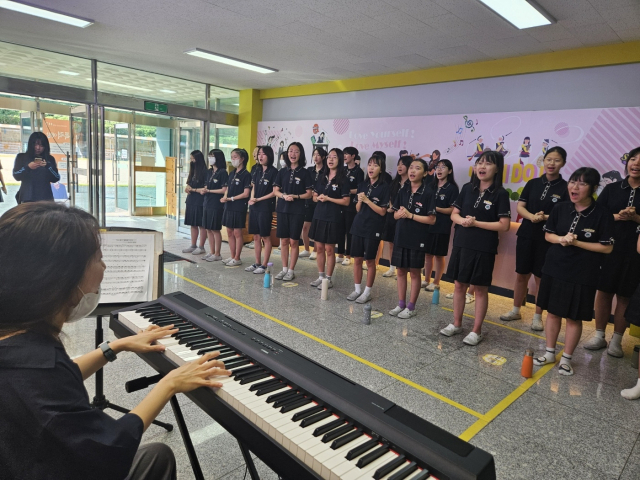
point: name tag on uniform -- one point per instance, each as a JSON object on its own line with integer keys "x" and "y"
{"x": 297, "y": 181}
{"x": 487, "y": 205}
{"x": 555, "y": 198}
{"x": 588, "y": 232}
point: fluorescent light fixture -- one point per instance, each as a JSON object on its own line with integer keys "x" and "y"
{"x": 520, "y": 13}
{"x": 66, "y": 72}
{"x": 216, "y": 57}
{"x": 167, "y": 91}
{"x": 45, "y": 13}
{"x": 104, "y": 82}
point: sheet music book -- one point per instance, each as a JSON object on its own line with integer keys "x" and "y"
{"x": 132, "y": 260}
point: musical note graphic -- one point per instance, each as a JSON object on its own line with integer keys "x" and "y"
{"x": 468, "y": 123}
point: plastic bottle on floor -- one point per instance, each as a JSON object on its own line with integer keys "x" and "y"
{"x": 268, "y": 277}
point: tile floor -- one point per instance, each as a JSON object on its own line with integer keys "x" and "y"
{"x": 562, "y": 427}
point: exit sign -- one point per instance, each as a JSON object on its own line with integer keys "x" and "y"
{"x": 156, "y": 107}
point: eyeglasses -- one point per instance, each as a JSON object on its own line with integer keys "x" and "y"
{"x": 573, "y": 183}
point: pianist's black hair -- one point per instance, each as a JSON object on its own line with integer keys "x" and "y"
{"x": 45, "y": 249}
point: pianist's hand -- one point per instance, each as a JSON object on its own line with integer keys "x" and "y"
{"x": 143, "y": 341}
{"x": 196, "y": 374}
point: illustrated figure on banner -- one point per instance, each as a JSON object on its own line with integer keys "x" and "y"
{"x": 479, "y": 148}
{"x": 525, "y": 149}
{"x": 545, "y": 147}
{"x": 501, "y": 146}
{"x": 319, "y": 137}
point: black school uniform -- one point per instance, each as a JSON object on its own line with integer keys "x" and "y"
{"x": 440, "y": 232}
{"x": 474, "y": 249}
{"x": 409, "y": 243}
{"x": 291, "y": 214}
{"x": 570, "y": 274}
{"x": 368, "y": 226}
{"x": 309, "y": 204}
{"x": 195, "y": 201}
{"x": 390, "y": 222}
{"x": 620, "y": 272}
{"x": 632, "y": 315}
{"x": 261, "y": 213}
{"x": 235, "y": 213}
{"x": 540, "y": 195}
{"x": 213, "y": 208}
{"x": 355, "y": 176}
{"x": 327, "y": 225}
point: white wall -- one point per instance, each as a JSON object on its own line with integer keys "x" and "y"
{"x": 616, "y": 86}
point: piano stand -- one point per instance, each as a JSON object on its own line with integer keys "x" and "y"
{"x": 253, "y": 473}
{"x": 99, "y": 400}
{"x": 186, "y": 439}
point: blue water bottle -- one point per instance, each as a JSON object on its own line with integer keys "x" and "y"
{"x": 435, "y": 298}
{"x": 267, "y": 276}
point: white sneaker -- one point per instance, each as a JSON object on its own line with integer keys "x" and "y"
{"x": 280, "y": 275}
{"x": 615, "y": 350}
{"x": 364, "y": 298}
{"x": 313, "y": 256}
{"x": 565, "y": 369}
{"x": 251, "y": 268}
{"x": 213, "y": 258}
{"x": 250, "y": 245}
{"x": 406, "y": 313}
{"x": 595, "y": 343}
{"x": 449, "y": 296}
{"x": 234, "y": 263}
{"x": 206, "y": 256}
{"x": 290, "y": 275}
{"x": 469, "y": 298}
{"x": 353, "y": 296}
{"x": 198, "y": 251}
{"x": 423, "y": 284}
{"x": 316, "y": 282}
{"x": 510, "y": 316}
{"x": 304, "y": 254}
{"x": 472, "y": 339}
{"x": 451, "y": 330}
{"x": 537, "y": 325}
{"x": 430, "y": 288}
{"x": 188, "y": 249}
{"x": 330, "y": 285}
{"x": 227, "y": 260}
{"x": 396, "y": 311}
{"x": 346, "y": 262}
{"x": 389, "y": 273}
{"x": 260, "y": 269}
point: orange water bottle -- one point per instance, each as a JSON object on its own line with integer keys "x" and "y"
{"x": 527, "y": 364}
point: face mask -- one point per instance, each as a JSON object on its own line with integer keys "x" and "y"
{"x": 235, "y": 163}
{"x": 212, "y": 161}
{"x": 283, "y": 164}
{"x": 88, "y": 304}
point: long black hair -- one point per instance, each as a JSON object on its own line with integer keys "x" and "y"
{"x": 268, "y": 151}
{"x": 588, "y": 175}
{"x": 197, "y": 169}
{"x": 221, "y": 162}
{"x": 41, "y": 138}
{"x": 450, "y": 179}
{"x": 381, "y": 161}
{"x": 302, "y": 160}
{"x": 497, "y": 159}
{"x": 341, "y": 171}
{"x": 395, "y": 184}
{"x": 323, "y": 155}
{"x": 244, "y": 156}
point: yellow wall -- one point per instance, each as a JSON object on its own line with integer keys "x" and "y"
{"x": 249, "y": 114}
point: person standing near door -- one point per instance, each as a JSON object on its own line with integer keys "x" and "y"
{"x": 36, "y": 170}
{"x": 355, "y": 175}
{"x": 195, "y": 201}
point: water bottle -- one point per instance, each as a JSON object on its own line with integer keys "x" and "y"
{"x": 268, "y": 278}
{"x": 435, "y": 298}
{"x": 367, "y": 314}
{"x": 324, "y": 293}
{"x": 527, "y": 364}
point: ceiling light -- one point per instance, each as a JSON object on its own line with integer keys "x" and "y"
{"x": 520, "y": 13}
{"x": 45, "y": 13}
{"x": 216, "y": 57}
{"x": 122, "y": 85}
{"x": 167, "y": 91}
{"x": 66, "y": 72}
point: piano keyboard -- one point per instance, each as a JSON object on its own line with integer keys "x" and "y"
{"x": 331, "y": 444}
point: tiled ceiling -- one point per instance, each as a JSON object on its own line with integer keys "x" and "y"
{"x": 312, "y": 40}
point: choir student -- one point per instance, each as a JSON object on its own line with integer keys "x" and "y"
{"x": 481, "y": 210}
{"x": 633, "y": 316}
{"x": 213, "y": 210}
{"x": 319, "y": 164}
{"x": 620, "y": 274}
{"x": 236, "y": 199}
{"x": 580, "y": 233}
{"x": 538, "y": 198}
{"x": 262, "y": 205}
{"x": 253, "y": 169}
{"x": 355, "y": 175}
{"x": 414, "y": 211}
{"x": 445, "y": 190}
{"x": 332, "y": 195}
{"x": 368, "y": 226}
{"x": 402, "y": 174}
{"x": 293, "y": 186}
{"x": 195, "y": 201}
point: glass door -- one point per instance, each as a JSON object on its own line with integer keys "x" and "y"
{"x": 121, "y": 168}
{"x": 80, "y": 172}
{"x": 190, "y": 139}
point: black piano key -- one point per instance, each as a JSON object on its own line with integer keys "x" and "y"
{"x": 315, "y": 418}
{"x": 327, "y": 427}
{"x": 252, "y": 368}
{"x": 183, "y": 333}
{"x": 184, "y": 327}
{"x": 423, "y": 475}
{"x": 272, "y": 388}
{"x": 205, "y": 342}
{"x": 387, "y": 468}
{"x": 360, "y": 449}
{"x": 279, "y": 396}
{"x": 338, "y": 432}
{"x": 189, "y": 340}
{"x": 156, "y": 317}
{"x": 287, "y": 400}
{"x": 371, "y": 456}
{"x": 164, "y": 323}
{"x": 307, "y": 413}
{"x": 210, "y": 349}
{"x": 405, "y": 472}
{"x": 157, "y": 310}
{"x": 254, "y": 378}
{"x": 266, "y": 383}
{"x": 342, "y": 441}
{"x": 222, "y": 356}
{"x": 150, "y": 307}
{"x": 235, "y": 363}
{"x": 296, "y": 404}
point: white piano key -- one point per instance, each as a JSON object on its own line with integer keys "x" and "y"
{"x": 369, "y": 470}
{"x": 392, "y": 473}
{"x": 330, "y": 459}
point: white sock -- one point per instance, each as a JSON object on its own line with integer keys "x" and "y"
{"x": 367, "y": 290}
{"x": 291, "y": 270}
{"x": 565, "y": 360}
{"x": 285, "y": 269}
{"x": 322, "y": 275}
{"x": 632, "y": 393}
{"x": 550, "y": 354}
{"x": 515, "y": 310}
{"x": 616, "y": 339}
{"x": 392, "y": 268}
{"x": 537, "y": 316}
{"x": 600, "y": 333}
{"x": 358, "y": 288}
{"x": 329, "y": 277}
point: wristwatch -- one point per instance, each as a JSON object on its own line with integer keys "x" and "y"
{"x": 109, "y": 354}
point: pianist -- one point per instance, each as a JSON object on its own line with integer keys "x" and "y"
{"x": 50, "y": 273}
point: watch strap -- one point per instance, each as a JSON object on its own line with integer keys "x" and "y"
{"x": 108, "y": 353}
